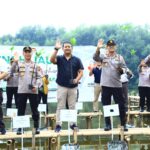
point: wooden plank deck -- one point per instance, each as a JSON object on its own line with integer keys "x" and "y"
{"x": 82, "y": 132}
{"x": 138, "y": 113}
{"x": 81, "y": 114}
{"x": 134, "y": 97}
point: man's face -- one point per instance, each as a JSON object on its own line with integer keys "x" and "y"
{"x": 111, "y": 49}
{"x": 67, "y": 48}
{"x": 27, "y": 55}
{"x": 98, "y": 64}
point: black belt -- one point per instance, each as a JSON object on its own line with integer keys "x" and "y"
{"x": 124, "y": 82}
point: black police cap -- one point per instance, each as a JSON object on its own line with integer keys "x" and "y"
{"x": 111, "y": 43}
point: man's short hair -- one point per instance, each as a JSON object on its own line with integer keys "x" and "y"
{"x": 66, "y": 42}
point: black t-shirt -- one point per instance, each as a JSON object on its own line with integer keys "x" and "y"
{"x": 97, "y": 74}
{"x": 67, "y": 70}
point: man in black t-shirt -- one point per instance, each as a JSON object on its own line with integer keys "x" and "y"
{"x": 96, "y": 71}
{"x": 70, "y": 71}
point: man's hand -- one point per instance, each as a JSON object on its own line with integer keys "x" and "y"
{"x": 100, "y": 43}
{"x": 75, "y": 81}
{"x": 34, "y": 89}
{"x": 120, "y": 70}
{"x": 58, "y": 44}
{"x": 46, "y": 76}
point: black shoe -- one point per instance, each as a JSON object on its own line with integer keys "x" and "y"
{"x": 125, "y": 128}
{"x": 19, "y": 132}
{"x": 57, "y": 128}
{"x": 37, "y": 131}
{"x": 148, "y": 109}
{"x": 3, "y": 131}
{"x": 142, "y": 110}
{"x": 74, "y": 127}
{"x": 95, "y": 111}
{"x": 107, "y": 128}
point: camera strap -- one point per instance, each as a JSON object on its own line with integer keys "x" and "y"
{"x": 32, "y": 74}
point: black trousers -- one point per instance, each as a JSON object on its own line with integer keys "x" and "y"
{"x": 43, "y": 97}
{"x": 117, "y": 94}
{"x": 11, "y": 91}
{"x": 144, "y": 93}
{"x": 2, "y": 125}
{"x": 125, "y": 94}
{"x": 33, "y": 99}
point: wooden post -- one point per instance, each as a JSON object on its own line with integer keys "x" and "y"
{"x": 33, "y": 139}
{"x": 52, "y": 143}
{"x": 99, "y": 119}
{"x": 127, "y": 138}
{"x": 89, "y": 122}
{"x": 75, "y": 137}
{"x": 11, "y": 144}
{"x": 122, "y": 133}
{"x": 128, "y": 115}
{"x": 53, "y": 123}
{"x": 58, "y": 142}
{"x": 48, "y": 122}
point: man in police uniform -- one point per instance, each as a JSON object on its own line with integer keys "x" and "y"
{"x": 29, "y": 77}
{"x": 12, "y": 86}
{"x": 3, "y": 74}
{"x": 147, "y": 60}
{"x": 113, "y": 66}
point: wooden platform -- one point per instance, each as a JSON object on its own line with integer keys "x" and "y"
{"x": 82, "y": 114}
{"x": 138, "y": 113}
{"x": 82, "y": 132}
{"x": 134, "y": 97}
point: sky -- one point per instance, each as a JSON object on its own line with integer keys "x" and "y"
{"x": 15, "y": 14}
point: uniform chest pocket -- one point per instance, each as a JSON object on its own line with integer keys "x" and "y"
{"x": 33, "y": 71}
{"x": 21, "y": 71}
{"x": 105, "y": 63}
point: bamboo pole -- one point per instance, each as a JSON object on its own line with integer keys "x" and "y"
{"x": 89, "y": 122}
{"x": 58, "y": 142}
{"x": 33, "y": 139}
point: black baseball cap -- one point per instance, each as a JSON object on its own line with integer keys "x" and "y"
{"x": 111, "y": 43}
{"x": 11, "y": 59}
{"x": 27, "y": 48}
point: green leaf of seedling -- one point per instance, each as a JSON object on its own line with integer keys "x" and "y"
{"x": 12, "y": 48}
{"x": 126, "y": 27}
{"x": 132, "y": 52}
{"x": 39, "y": 53}
{"x": 73, "y": 41}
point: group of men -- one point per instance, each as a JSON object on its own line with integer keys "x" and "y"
{"x": 110, "y": 67}
{"x": 24, "y": 79}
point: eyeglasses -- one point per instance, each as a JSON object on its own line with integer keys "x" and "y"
{"x": 67, "y": 46}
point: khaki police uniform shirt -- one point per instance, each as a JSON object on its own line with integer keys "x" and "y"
{"x": 12, "y": 80}
{"x": 110, "y": 76}
{"x": 26, "y": 73}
